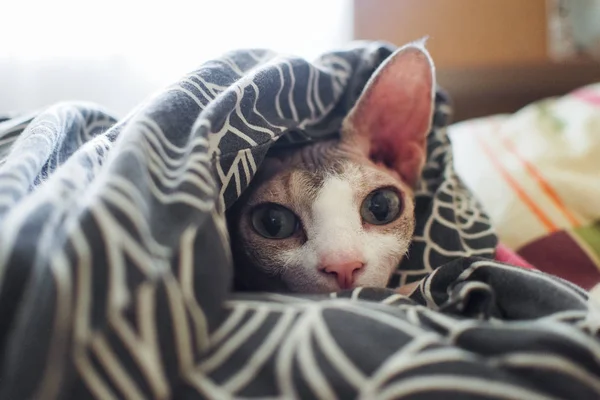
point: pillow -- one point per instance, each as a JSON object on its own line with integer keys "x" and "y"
{"x": 537, "y": 174}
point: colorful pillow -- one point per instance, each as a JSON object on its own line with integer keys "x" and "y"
{"x": 537, "y": 173}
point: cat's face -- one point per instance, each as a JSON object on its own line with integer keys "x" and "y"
{"x": 342, "y": 223}
{"x": 340, "y": 214}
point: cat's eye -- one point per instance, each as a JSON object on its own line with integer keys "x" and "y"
{"x": 274, "y": 221}
{"x": 381, "y": 207}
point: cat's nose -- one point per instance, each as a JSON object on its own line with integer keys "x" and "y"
{"x": 344, "y": 272}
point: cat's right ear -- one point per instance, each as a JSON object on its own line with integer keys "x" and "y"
{"x": 392, "y": 117}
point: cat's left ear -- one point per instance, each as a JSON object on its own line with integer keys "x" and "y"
{"x": 392, "y": 117}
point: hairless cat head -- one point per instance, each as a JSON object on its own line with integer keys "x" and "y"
{"x": 338, "y": 214}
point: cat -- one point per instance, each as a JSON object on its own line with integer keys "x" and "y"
{"x": 338, "y": 214}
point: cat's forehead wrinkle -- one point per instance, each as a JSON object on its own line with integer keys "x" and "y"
{"x": 306, "y": 185}
{"x": 294, "y": 187}
{"x": 314, "y": 157}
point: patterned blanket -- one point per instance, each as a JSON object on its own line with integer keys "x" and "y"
{"x": 115, "y": 270}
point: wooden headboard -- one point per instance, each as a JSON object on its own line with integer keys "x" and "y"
{"x": 491, "y": 55}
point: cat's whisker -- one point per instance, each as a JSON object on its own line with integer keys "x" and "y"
{"x": 287, "y": 262}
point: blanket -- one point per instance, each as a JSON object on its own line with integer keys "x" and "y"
{"x": 115, "y": 270}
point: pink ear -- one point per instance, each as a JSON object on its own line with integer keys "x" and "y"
{"x": 392, "y": 117}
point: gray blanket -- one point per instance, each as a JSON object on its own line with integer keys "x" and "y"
{"x": 115, "y": 270}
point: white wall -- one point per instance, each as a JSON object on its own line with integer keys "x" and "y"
{"x": 116, "y": 52}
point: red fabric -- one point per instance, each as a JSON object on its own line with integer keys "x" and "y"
{"x": 560, "y": 254}
{"x": 506, "y": 255}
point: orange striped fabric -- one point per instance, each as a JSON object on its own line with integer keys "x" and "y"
{"x": 543, "y": 184}
{"x": 518, "y": 189}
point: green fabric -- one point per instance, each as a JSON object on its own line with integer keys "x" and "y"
{"x": 590, "y": 235}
